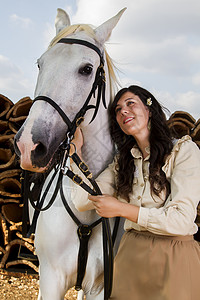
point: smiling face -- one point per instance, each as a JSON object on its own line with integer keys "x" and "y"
{"x": 132, "y": 116}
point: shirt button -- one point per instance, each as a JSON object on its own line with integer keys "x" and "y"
{"x": 142, "y": 184}
{"x": 139, "y": 197}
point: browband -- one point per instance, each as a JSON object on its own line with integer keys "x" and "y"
{"x": 83, "y": 43}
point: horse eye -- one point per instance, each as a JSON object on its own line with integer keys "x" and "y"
{"x": 86, "y": 70}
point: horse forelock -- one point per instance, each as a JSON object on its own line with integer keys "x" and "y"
{"x": 114, "y": 82}
{"x": 71, "y": 30}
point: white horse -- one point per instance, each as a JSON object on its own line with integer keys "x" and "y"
{"x": 66, "y": 75}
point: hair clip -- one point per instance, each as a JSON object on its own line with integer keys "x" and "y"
{"x": 149, "y": 101}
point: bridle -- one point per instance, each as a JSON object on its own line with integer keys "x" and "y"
{"x": 84, "y": 231}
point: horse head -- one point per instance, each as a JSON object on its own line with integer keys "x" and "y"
{"x": 66, "y": 75}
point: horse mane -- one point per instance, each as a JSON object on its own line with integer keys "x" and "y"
{"x": 114, "y": 82}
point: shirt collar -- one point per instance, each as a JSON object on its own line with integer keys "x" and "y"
{"x": 136, "y": 153}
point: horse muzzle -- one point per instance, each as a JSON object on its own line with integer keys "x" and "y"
{"x": 34, "y": 157}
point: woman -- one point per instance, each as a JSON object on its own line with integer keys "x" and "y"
{"x": 153, "y": 183}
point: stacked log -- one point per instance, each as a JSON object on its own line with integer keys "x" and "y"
{"x": 182, "y": 123}
{"x": 16, "y": 252}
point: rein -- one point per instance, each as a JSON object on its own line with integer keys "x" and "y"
{"x": 84, "y": 231}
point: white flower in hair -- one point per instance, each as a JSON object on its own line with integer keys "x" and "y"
{"x": 149, "y": 101}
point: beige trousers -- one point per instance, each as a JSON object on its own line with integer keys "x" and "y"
{"x": 153, "y": 267}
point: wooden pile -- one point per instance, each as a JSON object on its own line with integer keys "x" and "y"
{"x": 15, "y": 251}
{"x": 182, "y": 123}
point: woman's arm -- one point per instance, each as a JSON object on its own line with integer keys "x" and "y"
{"x": 109, "y": 207}
{"x": 177, "y": 216}
{"x": 105, "y": 180}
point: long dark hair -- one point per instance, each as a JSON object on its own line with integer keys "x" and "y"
{"x": 160, "y": 145}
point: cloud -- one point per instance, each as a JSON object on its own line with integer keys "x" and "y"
{"x": 7, "y": 67}
{"x": 24, "y": 22}
{"x": 149, "y": 19}
{"x": 154, "y": 36}
{"x": 196, "y": 79}
{"x": 48, "y": 34}
{"x": 13, "y": 82}
{"x": 172, "y": 57}
{"x": 155, "y": 44}
{"x": 188, "y": 101}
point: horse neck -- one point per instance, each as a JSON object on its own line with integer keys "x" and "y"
{"x": 98, "y": 148}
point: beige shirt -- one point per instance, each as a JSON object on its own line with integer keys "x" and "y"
{"x": 176, "y": 215}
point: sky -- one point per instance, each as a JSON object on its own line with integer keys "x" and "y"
{"x": 156, "y": 44}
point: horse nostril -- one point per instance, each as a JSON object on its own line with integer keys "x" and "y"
{"x": 39, "y": 155}
{"x": 40, "y": 150}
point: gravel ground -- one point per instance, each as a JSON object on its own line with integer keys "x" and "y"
{"x": 23, "y": 287}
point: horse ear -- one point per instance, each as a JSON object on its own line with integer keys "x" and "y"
{"x": 62, "y": 20}
{"x": 103, "y": 32}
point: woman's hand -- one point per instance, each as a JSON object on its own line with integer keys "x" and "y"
{"x": 106, "y": 206}
{"x": 78, "y": 142}
{"x": 109, "y": 207}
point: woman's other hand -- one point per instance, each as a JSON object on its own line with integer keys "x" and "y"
{"x": 106, "y": 206}
{"x": 109, "y": 207}
{"x": 78, "y": 142}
